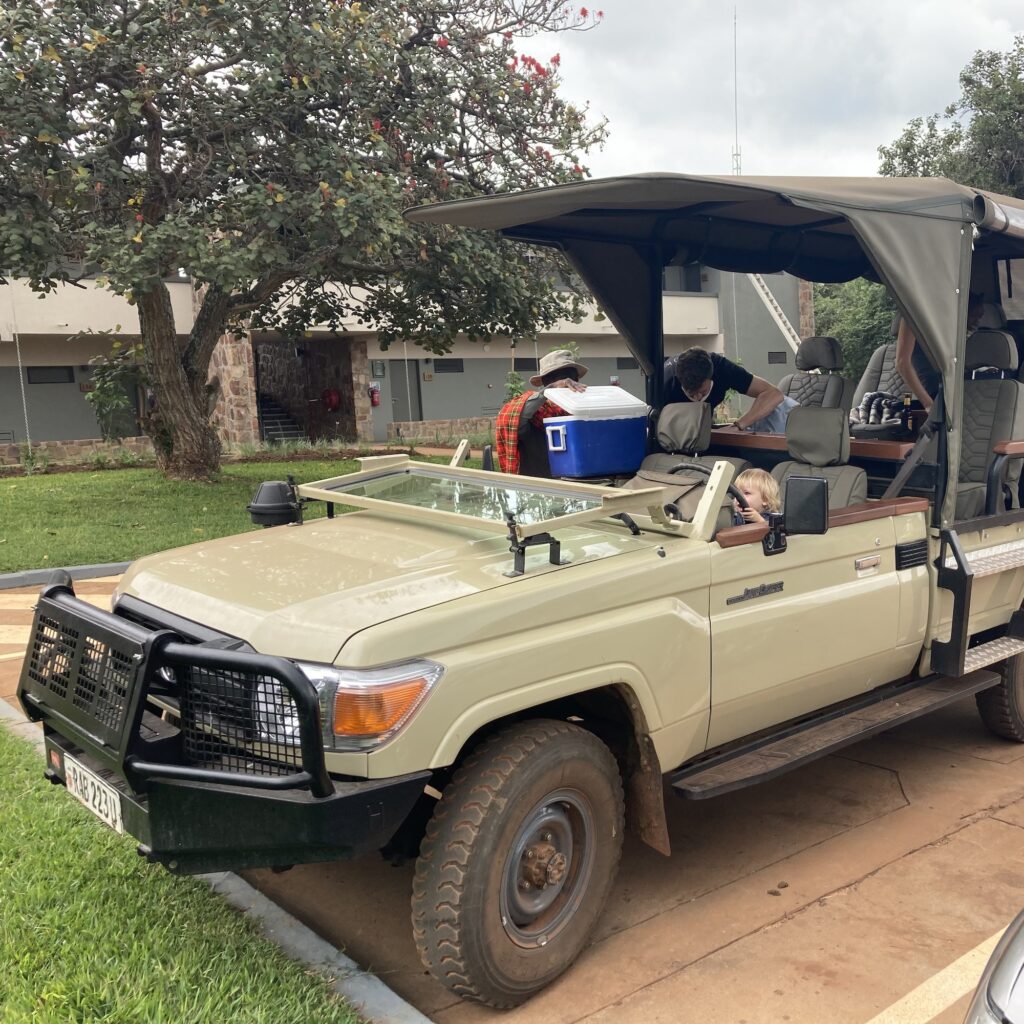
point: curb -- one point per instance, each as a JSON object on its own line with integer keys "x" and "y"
{"x": 363, "y": 991}
{"x": 37, "y": 577}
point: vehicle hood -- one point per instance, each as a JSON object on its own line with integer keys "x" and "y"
{"x": 302, "y": 591}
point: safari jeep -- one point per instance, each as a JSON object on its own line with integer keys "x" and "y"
{"x": 500, "y": 674}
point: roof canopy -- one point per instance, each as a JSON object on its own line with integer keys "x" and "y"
{"x": 620, "y": 232}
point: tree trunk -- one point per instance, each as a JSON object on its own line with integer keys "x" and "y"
{"x": 187, "y": 446}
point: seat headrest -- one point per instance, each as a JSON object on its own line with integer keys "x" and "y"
{"x": 819, "y": 354}
{"x": 685, "y": 427}
{"x": 987, "y": 347}
{"x": 818, "y": 436}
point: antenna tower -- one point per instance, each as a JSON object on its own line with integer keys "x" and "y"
{"x": 737, "y": 162}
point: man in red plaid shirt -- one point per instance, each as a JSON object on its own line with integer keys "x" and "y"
{"x": 519, "y": 432}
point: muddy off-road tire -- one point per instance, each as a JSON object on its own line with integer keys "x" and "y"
{"x": 1002, "y": 706}
{"x": 517, "y": 861}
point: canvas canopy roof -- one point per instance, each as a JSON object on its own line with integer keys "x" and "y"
{"x": 913, "y": 234}
{"x": 916, "y": 235}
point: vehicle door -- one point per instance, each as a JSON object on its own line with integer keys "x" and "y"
{"x": 825, "y": 619}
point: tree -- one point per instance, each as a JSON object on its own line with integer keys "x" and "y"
{"x": 979, "y": 139}
{"x": 859, "y": 313}
{"x": 268, "y": 148}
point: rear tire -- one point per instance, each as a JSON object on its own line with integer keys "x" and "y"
{"x": 518, "y": 861}
{"x": 1002, "y": 706}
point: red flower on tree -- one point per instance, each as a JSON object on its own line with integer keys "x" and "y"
{"x": 442, "y": 42}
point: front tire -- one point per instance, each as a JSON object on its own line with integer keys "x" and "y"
{"x": 517, "y": 862}
{"x": 1002, "y": 706}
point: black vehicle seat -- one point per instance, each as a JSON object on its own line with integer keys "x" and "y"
{"x": 819, "y": 445}
{"x": 817, "y": 380}
{"x": 993, "y": 412}
{"x": 880, "y": 375}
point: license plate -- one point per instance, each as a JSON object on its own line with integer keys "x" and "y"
{"x": 100, "y": 797}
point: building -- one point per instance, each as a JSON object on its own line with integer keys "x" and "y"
{"x": 343, "y": 385}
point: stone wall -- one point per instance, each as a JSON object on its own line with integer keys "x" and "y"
{"x": 235, "y": 412}
{"x": 360, "y": 375}
{"x": 64, "y": 452}
{"x": 441, "y": 431}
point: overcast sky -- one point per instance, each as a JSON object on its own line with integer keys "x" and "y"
{"x": 822, "y": 83}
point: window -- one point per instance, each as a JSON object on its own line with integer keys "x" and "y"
{"x": 776, "y": 357}
{"x": 50, "y": 374}
{"x": 682, "y": 279}
{"x": 448, "y": 366}
{"x": 672, "y": 279}
{"x": 1011, "y": 285}
{"x": 626, "y": 363}
{"x": 526, "y": 366}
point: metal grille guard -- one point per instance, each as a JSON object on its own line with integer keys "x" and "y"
{"x": 87, "y": 674}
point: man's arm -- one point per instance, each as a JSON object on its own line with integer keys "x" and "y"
{"x": 766, "y": 397}
{"x": 905, "y": 342}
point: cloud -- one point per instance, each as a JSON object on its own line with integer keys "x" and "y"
{"x": 821, "y": 84}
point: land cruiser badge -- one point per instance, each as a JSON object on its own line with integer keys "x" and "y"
{"x": 761, "y": 590}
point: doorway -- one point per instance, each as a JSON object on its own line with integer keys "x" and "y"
{"x": 404, "y": 378}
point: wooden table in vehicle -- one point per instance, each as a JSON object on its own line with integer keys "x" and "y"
{"x": 880, "y": 459}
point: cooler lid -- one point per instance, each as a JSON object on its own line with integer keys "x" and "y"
{"x": 598, "y": 403}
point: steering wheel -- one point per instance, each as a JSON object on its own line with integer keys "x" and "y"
{"x": 691, "y": 467}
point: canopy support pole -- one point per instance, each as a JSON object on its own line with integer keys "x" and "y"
{"x": 656, "y": 343}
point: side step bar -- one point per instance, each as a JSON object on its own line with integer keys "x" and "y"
{"x": 957, "y": 571}
{"x": 778, "y": 754}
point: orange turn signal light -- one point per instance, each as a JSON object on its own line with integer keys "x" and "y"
{"x": 362, "y": 712}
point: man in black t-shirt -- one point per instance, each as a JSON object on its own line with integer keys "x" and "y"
{"x": 701, "y": 376}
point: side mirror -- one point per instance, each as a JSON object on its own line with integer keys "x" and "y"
{"x": 806, "y": 505}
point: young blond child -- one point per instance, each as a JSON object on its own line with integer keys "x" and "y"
{"x": 762, "y": 493}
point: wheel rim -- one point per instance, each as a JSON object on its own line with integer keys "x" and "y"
{"x": 548, "y": 868}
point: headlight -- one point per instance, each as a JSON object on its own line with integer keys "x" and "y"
{"x": 277, "y": 717}
{"x": 364, "y": 707}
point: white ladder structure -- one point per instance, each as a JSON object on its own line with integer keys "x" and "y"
{"x": 764, "y": 293}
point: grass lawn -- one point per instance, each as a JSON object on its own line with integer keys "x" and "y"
{"x": 58, "y": 519}
{"x": 89, "y": 932}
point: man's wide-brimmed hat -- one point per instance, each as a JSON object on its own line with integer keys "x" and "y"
{"x": 557, "y": 360}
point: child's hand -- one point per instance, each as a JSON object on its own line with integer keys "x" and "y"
{"x": 749, "y": 514}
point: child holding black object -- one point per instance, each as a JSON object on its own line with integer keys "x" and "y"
{"x": 762, "y": 493}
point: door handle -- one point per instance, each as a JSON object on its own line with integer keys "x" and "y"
{"x": 867, "y": 562}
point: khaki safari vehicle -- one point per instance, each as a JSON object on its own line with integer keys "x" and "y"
{"x": 498, "y": 674}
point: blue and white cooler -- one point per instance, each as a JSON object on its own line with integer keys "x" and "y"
{"x": 605, "y": 433}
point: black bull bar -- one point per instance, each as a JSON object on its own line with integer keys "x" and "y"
{"x": 92, "y": 678}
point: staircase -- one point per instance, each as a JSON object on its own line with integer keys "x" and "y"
{"x": 764, "y": 293}
{"x": 275, "y": 423}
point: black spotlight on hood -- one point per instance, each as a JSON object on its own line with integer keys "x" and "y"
{"x": 275, "y": 503}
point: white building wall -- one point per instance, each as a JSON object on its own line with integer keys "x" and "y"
{"x": 47, "y": 327}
